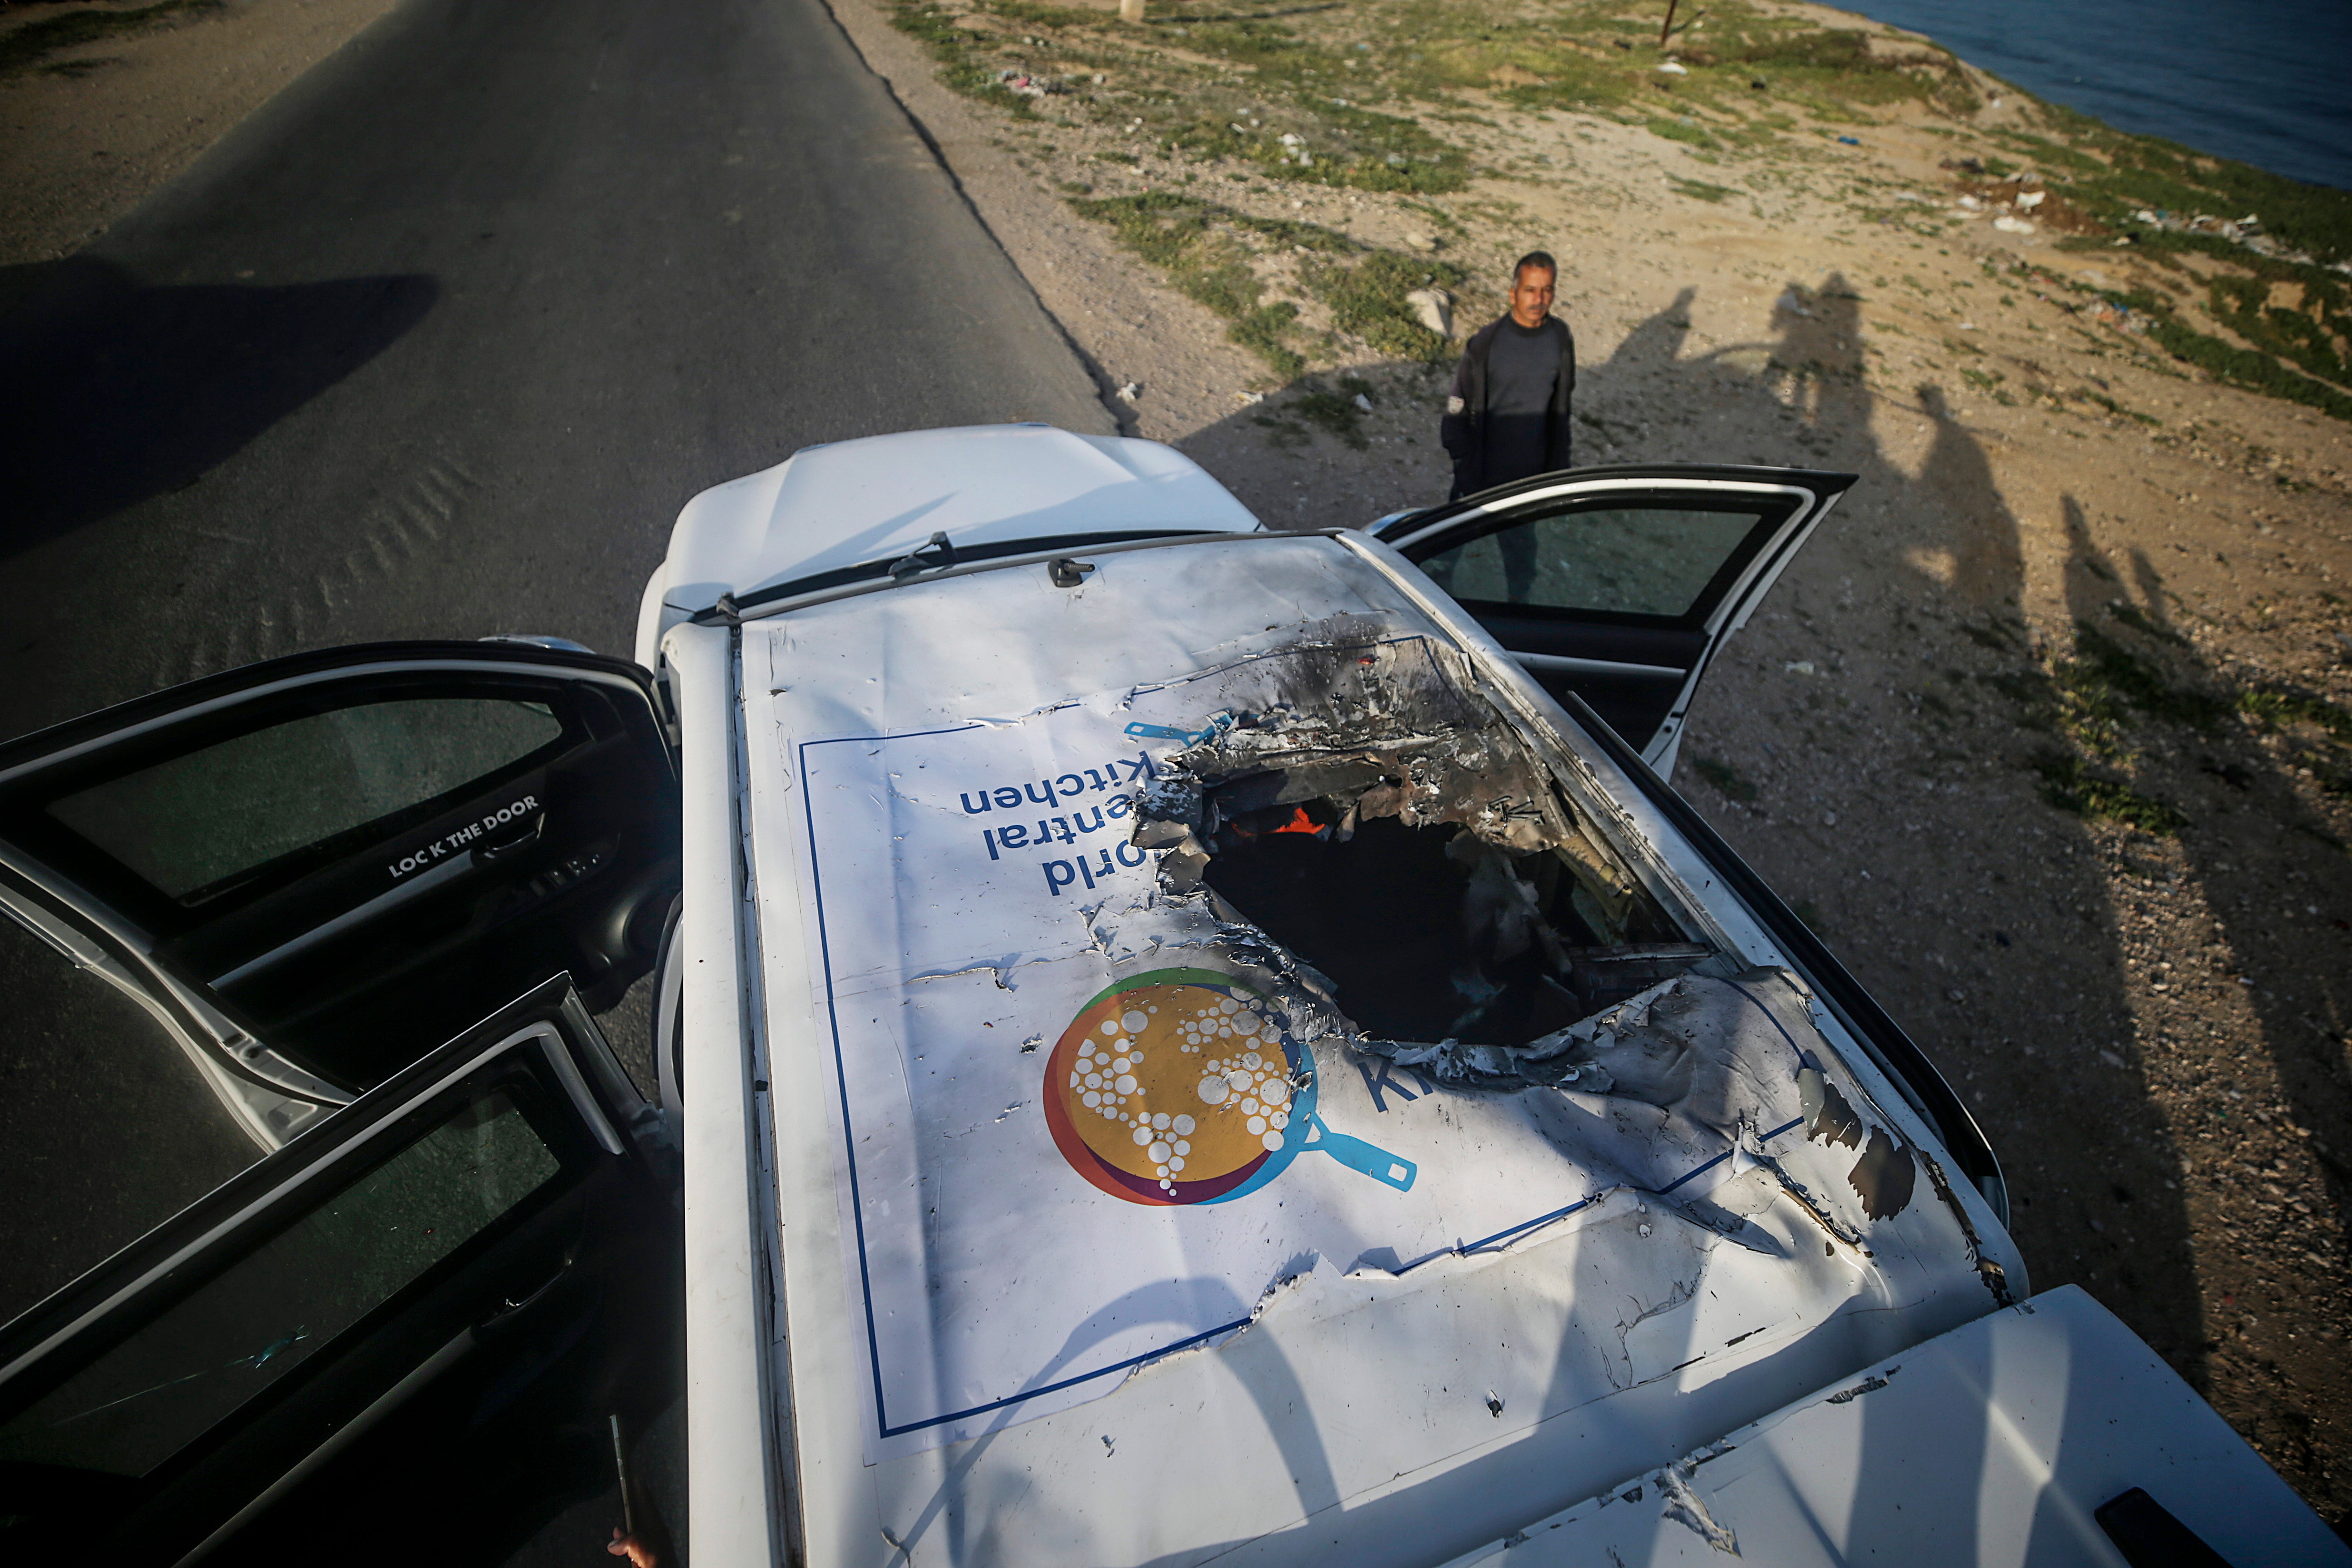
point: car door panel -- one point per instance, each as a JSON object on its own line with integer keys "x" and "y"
{"x": 415, "y": 1237}
{"x": 1630, "y": 674}
{"x": 355, "y": 850}
{"x": 1618, "y": 584}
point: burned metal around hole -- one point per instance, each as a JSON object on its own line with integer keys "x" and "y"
{"x": 1393, "y": 832}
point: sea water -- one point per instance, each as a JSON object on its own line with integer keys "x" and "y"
{"x": 2268, "y": 84}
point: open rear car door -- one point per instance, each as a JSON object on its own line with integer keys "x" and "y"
{"x": 323, "y": 864}
{"x": 1620, "y": 583}
{"x": 320, "y": 1356}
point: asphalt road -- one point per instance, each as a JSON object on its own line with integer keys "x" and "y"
{"x": 438, "y": 341}
{"x": 436, "y": 344}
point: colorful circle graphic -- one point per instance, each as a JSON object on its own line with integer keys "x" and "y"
{"x": 1178, "y": 1086}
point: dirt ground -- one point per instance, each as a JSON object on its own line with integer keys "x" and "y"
{"x": 2072, "y": 568}
{"x": 2050, "y": 730}
{"x": 88, "y": 128}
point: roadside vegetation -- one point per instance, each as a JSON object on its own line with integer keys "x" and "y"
{"x": 1373, "y": 96}
{"x": 2114, "y": 699}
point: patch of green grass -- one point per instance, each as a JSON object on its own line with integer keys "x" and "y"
{"x": 2106, "y": 664}
{"x": 1335, "y": 411}
{"x": 1728, "y": 781}
{"x": 1196, "y": 243}
{"x": 1699, "y": 189}
{"x": 2069, "y": 785}
{"x": 2275, "y": 709}
{"x": 37, "y": 40}
{"x": 1353, "y": 147}
{"x": 2305, "y": 337}
{"x": 1689, "y": 134}
{"x": 2112, "y": 406}
{"x": 1367, "y": 299}
{"x": 959, "y": 66}
{"x": 2247, "y": 368}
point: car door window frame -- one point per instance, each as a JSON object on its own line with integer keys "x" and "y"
{"x": 1763, "y": 522}
{"x": 117, "y": 922}
{"x": 37, "y": 831}
{"x": 1727, "y": 605}
{"x": 545, "y": 1034}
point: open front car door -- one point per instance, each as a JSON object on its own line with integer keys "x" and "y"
{"x": 318, "y": 866}
{"x": 331, "y": 1349}
{"x": 1620, "y": 583}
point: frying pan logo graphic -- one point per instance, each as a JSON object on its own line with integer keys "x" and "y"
{"x": 1185, "y": 1086}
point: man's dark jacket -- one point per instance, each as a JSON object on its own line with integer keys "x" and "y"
{"x": 1463, "y": 431}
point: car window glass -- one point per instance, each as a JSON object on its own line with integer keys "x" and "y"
{"x": 170, "y": 1382}
{"x": 1628, "y": 561}
{"x": 194, "y": 821}
{"x": 107, "y": 1129}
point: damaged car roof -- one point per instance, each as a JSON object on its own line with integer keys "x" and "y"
{"x": 1246, "y": 1076}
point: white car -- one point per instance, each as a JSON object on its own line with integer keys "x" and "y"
{"x": 1185, "y": 1043}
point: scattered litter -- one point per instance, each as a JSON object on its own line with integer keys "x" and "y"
{"x": 1849, "y": 141}
{"x": 1798, "y": 667}
{"x": 2029, "y": 200}
{"x": 1129, "y": 394}
{"x": 1791, "y": 303}
{"x": 2010, "y": 225}
{"x": 1829, "y": 819}
{"x": 2111, "y": 1059}
{"x": 1363, "y": 402}
{"x": 2122, "y": 318}
{"x": 1761, "y": 85}
{"x": 1970, "y": 205}
{"x": 1494, "y": 1404}
{"x": 1251, "y": 396}
{"x": 1674, "y": 68}
{"x": 1023, "y": 85}
{"x": 2247, "y": 231}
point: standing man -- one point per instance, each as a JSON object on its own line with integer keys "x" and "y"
{"x": 1508, "y": 418}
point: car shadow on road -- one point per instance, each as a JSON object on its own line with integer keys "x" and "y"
{"x": 117, "y": 390}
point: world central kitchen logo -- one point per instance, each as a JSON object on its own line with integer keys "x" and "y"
{"x": 1184, "y": 1086}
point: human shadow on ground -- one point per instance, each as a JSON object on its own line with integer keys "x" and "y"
{"x": 2216, "y": 764}
{"x": 114, "y": 389}
{"x": 1886, "y": 784}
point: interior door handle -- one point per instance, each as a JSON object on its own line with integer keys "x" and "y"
{"x": 515, "y": 844}
{"x": 513, "y": 1308}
